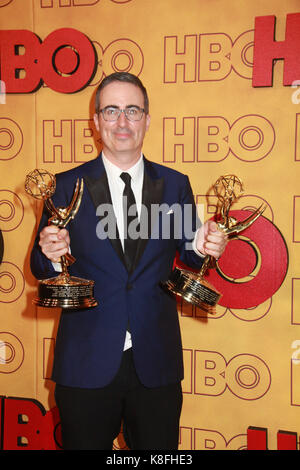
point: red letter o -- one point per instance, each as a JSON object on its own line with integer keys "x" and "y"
{"x": 67, "y": 60}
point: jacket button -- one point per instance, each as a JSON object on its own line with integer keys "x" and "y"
{"x": 129, "y": 286}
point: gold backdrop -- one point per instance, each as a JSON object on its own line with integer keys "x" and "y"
{"x": 196, "y": 60}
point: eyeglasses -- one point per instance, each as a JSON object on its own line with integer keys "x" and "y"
{"x": 112, "y": 113}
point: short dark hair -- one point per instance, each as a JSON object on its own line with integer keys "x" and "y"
{"x": 121, "y": 77}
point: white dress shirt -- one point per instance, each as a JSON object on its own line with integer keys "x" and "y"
{"x": 116, "y": 187}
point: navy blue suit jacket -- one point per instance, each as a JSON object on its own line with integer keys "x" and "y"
{"x": 90, "y": 342}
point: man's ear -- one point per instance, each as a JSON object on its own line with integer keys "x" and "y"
{"x": 148, "y": 120}
{"x": 96, "y": 121}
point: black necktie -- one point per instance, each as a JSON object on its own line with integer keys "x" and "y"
{"x": 130, "y": 228}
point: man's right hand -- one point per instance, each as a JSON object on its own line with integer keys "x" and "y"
{"x": 54, "y": 242}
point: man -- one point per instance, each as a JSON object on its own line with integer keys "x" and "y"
{"x": 122, "y": 360}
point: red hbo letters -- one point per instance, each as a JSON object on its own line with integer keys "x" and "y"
{"x": 65, "y": 61}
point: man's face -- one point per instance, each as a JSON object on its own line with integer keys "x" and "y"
{"x": 122, "y": 138}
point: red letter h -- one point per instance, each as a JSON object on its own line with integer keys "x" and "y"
{"x": 266, "y": 50}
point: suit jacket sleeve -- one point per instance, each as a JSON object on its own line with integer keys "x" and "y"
{"x": 190, "y": 224}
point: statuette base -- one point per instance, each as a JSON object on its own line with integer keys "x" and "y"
{"x": 196, "y": 291}
{"x": 66, "y": 292}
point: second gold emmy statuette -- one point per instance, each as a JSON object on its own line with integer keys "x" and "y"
{"x": 192, "y": 287}
{"x": 64, "y": 291}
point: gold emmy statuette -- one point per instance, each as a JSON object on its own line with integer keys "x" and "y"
{"x": 63, "y": 291}
{"x": 192, "y": 287}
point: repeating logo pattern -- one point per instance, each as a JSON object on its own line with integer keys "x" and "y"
{"x": 216, "y": 108}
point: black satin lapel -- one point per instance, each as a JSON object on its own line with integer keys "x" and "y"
{"x": 100, "y": 194}
{"x": 152, "y": 194}
{"x": 98, "y": 189}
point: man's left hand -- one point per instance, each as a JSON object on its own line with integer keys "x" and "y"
{"x": 210, "y": 240}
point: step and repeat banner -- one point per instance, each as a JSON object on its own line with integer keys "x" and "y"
{"x": 223, "y": 77}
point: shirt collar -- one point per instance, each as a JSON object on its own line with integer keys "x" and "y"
{"x": 136, "y": 171}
